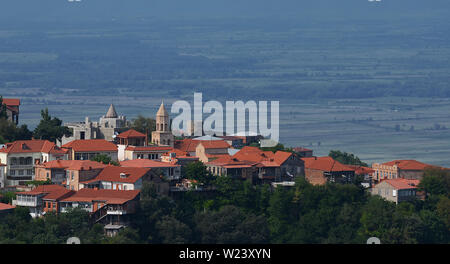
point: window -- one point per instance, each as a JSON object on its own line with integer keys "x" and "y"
{"x": 20, "y": 172}
{"x": 72, "y": 175}
{"x": 30, "y": 172}
{"x": 13, "y": 161}
{"x": 82, "y": 134}
{"x": 12, "y": 172}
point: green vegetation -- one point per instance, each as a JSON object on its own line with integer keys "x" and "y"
{"x": 9, "y": 131}
{"x": 238, "y": 212}
{"x": 144, "y": 125}
{"x": 346, "y": 158}
{"x": 51, "y": 128}
{"x": 105, "y": 159}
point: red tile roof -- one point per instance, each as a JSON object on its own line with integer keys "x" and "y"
{"x": 178, "y": 153}
{"x": 266, "y": 158}
{"x": 53, "y": 192}
{"x": 31, "y": 146}
{"x": 80, "y": 165}
{"x": 325, "y": 164}
{"x": 146, "y": 163}
{"x": 214, "y": 144}
{"x": 230, "y": 162}
{"x": 11, "y": 101}
{"x": 91, "y": 145}
{"x": 108, "y": 196}
{"x": 189, "y": 145}
{"x": 112, "y": 174}
{"x": 301, "y": 149}
{"x": 400, "y": 184}
{"x": 361, "y": 170}
{"x": 148, "y": 148}
{"x": 131, "y": 134}
{"x": 408, "y": 164}
{"x": 6, "y": 207}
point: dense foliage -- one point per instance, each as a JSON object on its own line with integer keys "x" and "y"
{"x": 105, "y": 159}
{"x": 239, "y": 212}
{"x": 51, "y": 128}
{"x": 346, "y": 158}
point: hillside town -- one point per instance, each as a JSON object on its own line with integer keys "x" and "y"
{"x": 109, "y": 192}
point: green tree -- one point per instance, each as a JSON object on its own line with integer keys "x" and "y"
{"x": 346, "y": 158}
{"x": 51, "y": 128}
{"x": 197, "y": 171}
{"x": 144, "y": 125}
{"x": 105, "y": 159}
{"x": 172, "y": 231}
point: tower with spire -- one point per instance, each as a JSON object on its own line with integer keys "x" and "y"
{"x": 107, "y": 127}
{"x": 162, "y": 135}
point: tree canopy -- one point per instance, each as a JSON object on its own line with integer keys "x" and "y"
{"x": 50, "y": 128}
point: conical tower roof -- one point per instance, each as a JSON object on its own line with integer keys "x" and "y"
{"x": 111, "y": 112}
{"x": 162, "y": 111}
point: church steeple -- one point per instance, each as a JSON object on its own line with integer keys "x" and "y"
{"x": 111, "y": 112}
{"x": 162, "y": 110}
{"x": 162, "y": 135}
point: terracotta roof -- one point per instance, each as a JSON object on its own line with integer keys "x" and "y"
{"x": 301, "y": 149}
{"x": 148, "y": 148}
{"x": 31, "y": 146}
{"x": 131, "y": 134}
{"x": 53, "y": 192}
{"x": 230, "y": 162}
{"x": 89, "y": 145}
{"x": 2, "y": 165}
{"x": 361, "y": 170}
{"x": 214, "y": 144}
{"x": 177, "y": 152}
{"x": 264, "y": 158}
{"x": 186, "y": 145}
{"x": 408, "y": 164}
{"x": 325, "y": 164}
{"x": 108, "y": 196}
{"x": 11, "y": 101}
{"x": 400, "y": 184}
{"x": 73, "y": 165}
{"x": 146, "y": 163}
{"x": 4, "y": 206}
{"x": 113, "y": 174}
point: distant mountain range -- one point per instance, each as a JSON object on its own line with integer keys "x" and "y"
{"x": 104, "y": 9}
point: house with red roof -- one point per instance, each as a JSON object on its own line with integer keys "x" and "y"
{"x": 170, "y": 171}
{"x": 178, "y": 157}
{"x": 125, "y": 178}
{"x": 397, "y": 190}
{"x": 68, "y": 172}
{"x": 22, "y": 156}
{"x": 42, "y": 199}
{"x": 6, "y": 208}
{"x": 89, "y": 148}
{"x": 207, "y": 150}
{"x": 303, "y": 152}
{"x": 405, "y": 169}
{"x": 12, "y": 109}
{"x": 111, "y": 208}
{"x": 267, "y": 166}
{"x": 320, "y": 170}
{"x": 143, "y": 152}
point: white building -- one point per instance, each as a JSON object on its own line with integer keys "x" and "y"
{"x": 22, "y": 156}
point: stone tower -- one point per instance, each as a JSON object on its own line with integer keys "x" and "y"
{"x": 162, "y": 135}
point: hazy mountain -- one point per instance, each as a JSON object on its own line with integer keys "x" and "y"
{"x": 20, "y": 10}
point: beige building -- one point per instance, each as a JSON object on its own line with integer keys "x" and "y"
{"x": 162, "y": 136}
{"x": 106, "y": 128}
{"x": 405, "y": 169}
{"x": 396, "y": 190}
